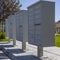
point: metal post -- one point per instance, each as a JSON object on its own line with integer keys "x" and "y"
{"x": 24, "y": 46}
{"x": 14, "y": 42}
{"x": 14, "y": 31}
{"x": 40, "y": 51}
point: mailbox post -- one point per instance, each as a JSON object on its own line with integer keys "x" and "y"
{"x": 14, "y": 30}
{"x": 41, "y": 24}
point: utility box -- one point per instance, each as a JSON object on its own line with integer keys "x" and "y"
{"x": 17, "y": 26}
{"x": 41, "y": 22}
{"x": 22, "y": 26}
{"x": 9, "y": 27}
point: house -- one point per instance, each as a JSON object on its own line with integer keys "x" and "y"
{"x": 57, "y": 26}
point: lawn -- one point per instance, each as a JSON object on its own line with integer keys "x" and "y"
{"x": 4, "y": 40}
{"x": 57, "y": 40}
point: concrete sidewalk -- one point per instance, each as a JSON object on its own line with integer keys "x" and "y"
{"x": 16, "y": 53}
{"x": 49, "y": 53}
{"x": 3, "y": 56}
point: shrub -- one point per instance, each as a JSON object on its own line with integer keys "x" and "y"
{"x": 57, "y": 44}
{"x": 2, "y": 35}
{"x": 57, "y": 40}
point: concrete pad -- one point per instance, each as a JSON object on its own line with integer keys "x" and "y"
{"x": 52, "y": 52}
{"x": 49, "y": 53}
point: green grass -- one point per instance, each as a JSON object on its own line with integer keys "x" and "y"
{"x": 4, "y": 40}
{"x": 57, "y": 40}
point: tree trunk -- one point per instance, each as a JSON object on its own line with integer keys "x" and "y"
{"x": 3, "y": 25}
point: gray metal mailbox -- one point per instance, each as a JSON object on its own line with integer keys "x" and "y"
{"x": 41, "y": 22}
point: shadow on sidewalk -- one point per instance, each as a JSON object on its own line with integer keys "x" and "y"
{"x": 27, "y": 57}
{"x": 3, "y": 56}
{"x": 6, "y": 46}
{"x": 15, "y": 51}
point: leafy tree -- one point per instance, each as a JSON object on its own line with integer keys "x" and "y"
{"x": 8, "y": 7}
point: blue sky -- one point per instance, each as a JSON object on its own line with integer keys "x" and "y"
{"x": 26, "y": 3}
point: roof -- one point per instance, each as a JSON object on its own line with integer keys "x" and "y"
{"x": 40, "y": 2}
{"x": 58, "y": 22}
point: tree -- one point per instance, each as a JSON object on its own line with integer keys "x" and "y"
{"x": 8, "y": 7}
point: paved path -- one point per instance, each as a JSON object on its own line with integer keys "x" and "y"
{"x": 3, "y": 56}
{"x": 50, "y": 53}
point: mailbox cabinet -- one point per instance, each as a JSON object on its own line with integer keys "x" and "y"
{"x": 41, "y": 21}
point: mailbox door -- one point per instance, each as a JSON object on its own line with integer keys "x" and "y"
{"x": 37, "y": 34}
